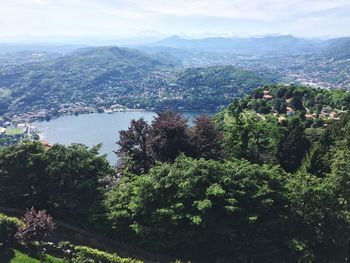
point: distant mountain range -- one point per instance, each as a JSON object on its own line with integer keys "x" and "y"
{"x": 338, "y": 48}
{"x": 176, "y": 72}
{"x": 284, "y": 44}
{"x": 255, "y": 45}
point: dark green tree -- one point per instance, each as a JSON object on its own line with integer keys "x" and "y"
{"x": 66, "y": 181}
{"x": 207, "y": 139}
{"x": 134, "y": 151}
{"x": 293, "y": 147}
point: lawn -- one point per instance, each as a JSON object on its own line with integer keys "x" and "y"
{"x": 14, "y": 131}
{"x": 15, "y": 256}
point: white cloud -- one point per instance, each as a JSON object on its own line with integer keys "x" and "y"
{"x": 128, "y": 17}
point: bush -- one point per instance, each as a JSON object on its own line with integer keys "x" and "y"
{"x": 79, "y": 254}
{"x": 8, "y": 228}
{"x": 36, "y": 226}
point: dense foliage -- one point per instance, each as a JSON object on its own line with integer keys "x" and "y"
{"x": 266, "y": 181}
{"x": 8, "y": 229}
{"x": 66, "y": 181}
{"x": 205, "y": 208}
{"x": 142, "y": 145}
{"x": 279, "y": 193}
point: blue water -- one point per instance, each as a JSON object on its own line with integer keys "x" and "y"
{"x": 92, "y": 129}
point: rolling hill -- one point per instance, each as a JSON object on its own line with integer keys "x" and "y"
{"x": 106, "y": 71}
{"x": 103, "y": 76}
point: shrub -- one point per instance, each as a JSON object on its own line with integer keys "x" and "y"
{"x": 36, "y": 226}
{"x": 8, "y": 228}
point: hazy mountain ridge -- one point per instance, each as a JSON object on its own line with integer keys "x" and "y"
{"x": 338, "y": 48}
{"x": 255, "y": 45}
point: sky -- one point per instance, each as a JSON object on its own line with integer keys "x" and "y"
{"x": 25, "y": 19}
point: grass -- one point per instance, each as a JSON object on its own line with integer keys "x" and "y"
{"x": 16, "y": 256}
{"x": 14, "y": 131}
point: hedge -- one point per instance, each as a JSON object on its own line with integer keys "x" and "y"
{"x": 79, "y": 254}
{"x": 8, "y": 228}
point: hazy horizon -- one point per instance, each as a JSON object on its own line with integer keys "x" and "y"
{"x": 76, "y": 20}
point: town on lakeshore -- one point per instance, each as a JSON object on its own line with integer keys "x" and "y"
{"x": 21, "y": 126}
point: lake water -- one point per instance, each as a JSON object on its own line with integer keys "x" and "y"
{"x": 92, "y": 129}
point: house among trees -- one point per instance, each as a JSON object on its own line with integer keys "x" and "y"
{"x": 327, "y": 110}
{"x": 310, "y": 116}
{"x": 333, "y": 115}
{"x": 290, "y": 111}
{"x": 267, "y": 95}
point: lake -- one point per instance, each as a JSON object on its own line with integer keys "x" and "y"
{"x": 92, "y": 129}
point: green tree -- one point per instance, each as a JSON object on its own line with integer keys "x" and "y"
{"x": 233, "y": 210}
{"x": 134, "y": 150}
{"x": 280, "y": 105}
{"x": 297, "y": 103}
{"x": 66, "y": 181}
{"x": 293, "y": 147}
{"x": 251, "y": 137}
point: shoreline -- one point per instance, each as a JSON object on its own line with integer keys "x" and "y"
{"x": 114, "y": 112}
{"x": 30, "y": 119}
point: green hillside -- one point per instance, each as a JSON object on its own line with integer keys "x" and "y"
{"x": 101, "y": 77}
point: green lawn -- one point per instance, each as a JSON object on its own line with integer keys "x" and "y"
{"x": 14, "y": 131}
{"x": 15, "y": 256}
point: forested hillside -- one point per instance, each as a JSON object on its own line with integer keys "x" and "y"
{"x": 316, "y": 62}
{"x": 208, "y": 88}
{"x": 94, "y": 79}
{"x": 80, "y": 77}
{"x": 266, "y": 180}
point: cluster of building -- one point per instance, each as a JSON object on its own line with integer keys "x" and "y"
{"x": 29, "y": 117}
{"x": 20, "y": 129}
{"x": 327, "y": 112}
{"x": 75, "y": 108}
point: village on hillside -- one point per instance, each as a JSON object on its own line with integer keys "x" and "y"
{"x": 327, "y": 112}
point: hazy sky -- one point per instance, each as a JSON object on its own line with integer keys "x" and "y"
{"x": 27, "y": 18}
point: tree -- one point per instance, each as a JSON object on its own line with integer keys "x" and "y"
{"x": 341, "y": 181}
{"x": 36, "y": 226}
{"x": 22, "y": 177}
{"x": 67, "y": 181}
{"x": 293, "y": 147}
{"x": 169, "y": 136}
{"x": 251, "y": 137}
{"x": 233, "y": 210}
{"x": 280, "y": 105}
{"x": 134, "y": 144}
{"x": 76, "y": 176}
{"x": 297, "y": 103}
{"x": 206, "y": 138}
